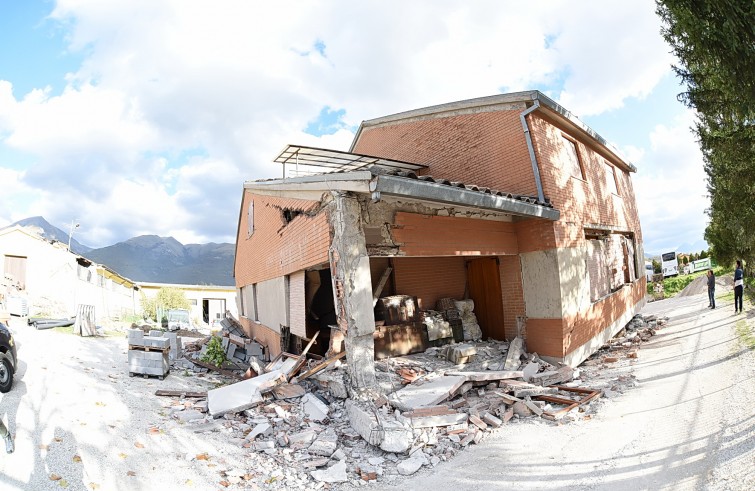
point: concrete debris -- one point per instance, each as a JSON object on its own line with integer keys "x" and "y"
{"x": 412, "y": 464}
{"x": 334, "y": 473}
{"x": 459, "y": 354}
{"x": 425, "y": 408}
{"x": 315, "y": 409}
{"x": 514, "y": 354}
{"x": 429, "y": 393}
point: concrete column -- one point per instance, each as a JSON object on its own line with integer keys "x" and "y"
{"x": 352, "y": 288}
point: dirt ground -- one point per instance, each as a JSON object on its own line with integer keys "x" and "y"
{"x": 683, "y": 419}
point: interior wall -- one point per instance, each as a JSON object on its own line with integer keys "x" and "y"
{"x": 430, "y": 278}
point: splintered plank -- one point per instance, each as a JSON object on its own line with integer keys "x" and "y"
{"x": 318, "y": 367}
{"x": 489, "y": 375}
{"x": 180, "y": 393}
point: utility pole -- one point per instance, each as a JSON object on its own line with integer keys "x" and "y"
{"x": 74, "y": 226}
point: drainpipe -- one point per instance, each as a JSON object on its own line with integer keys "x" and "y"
{"x": 533, "y": 159}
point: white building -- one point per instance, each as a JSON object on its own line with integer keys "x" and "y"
{"x": 208, "y": 302}
{"x": 51, "y": 281}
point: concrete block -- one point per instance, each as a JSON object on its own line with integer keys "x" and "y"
{"x": 173, "y": 341}
{"x": 135, "y": 337}
{"x": 461, "y": 353}
{"x": 390, "y": 436}
{"x": 154, "y": 333}
{"x": 314, "y": 408}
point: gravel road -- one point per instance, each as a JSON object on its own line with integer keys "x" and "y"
{"x": 81, "y": 423}
{"x": 688, "y": 423}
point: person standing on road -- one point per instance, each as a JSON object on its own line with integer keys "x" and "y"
{"x": 738, "y": 287}
{"x": 711, "y": 289}
{"x": 5, "y": 434}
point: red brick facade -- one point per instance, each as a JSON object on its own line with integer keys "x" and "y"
{"x": 486, "y": 148}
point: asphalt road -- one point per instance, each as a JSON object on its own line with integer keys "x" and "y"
{"x": 689, "y": 424}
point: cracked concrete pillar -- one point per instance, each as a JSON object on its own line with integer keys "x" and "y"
{"x": 352, "y": 288}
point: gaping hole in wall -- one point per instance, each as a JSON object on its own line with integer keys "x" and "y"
{"x": 611, "y": 261}
{"x": 320, "y": 306}
{"x": 289, "y": 214}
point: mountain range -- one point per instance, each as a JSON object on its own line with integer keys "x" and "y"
{"x": 153, "y": 259}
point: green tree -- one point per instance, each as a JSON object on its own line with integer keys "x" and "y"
{"x": 166, "y": 298}
{"x": 714, "y": 41}
{"x": 685, "y": 259}
{"x": 703, "y": 254}
{"x": 656, "y": 267}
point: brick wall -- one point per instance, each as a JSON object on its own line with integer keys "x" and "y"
{"x": 277, "y": 248}
{"x": 511, "y": 289}
{"x": 486, "y": 149}
{"x": 559, "y": 337}
{"x": 430, "y": 278}
{"x": 425, "y": 235}
{"x": 581, "y": 201}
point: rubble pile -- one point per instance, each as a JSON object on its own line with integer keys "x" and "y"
{"x": 304, "y": 426}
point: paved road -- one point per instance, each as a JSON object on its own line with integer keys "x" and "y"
{"x": 689, "y": 424}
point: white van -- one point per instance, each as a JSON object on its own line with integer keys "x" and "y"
{"x": 649, "y": 271}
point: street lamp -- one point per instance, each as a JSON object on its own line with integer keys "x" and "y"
{"x": 74, "y": 226}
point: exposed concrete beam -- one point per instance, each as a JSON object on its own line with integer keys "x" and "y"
{"x": 441, "y": 193}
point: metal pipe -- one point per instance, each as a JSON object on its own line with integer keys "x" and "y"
{"x": 533, "y": 159}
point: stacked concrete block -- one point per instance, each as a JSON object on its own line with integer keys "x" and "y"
{"x": 156, "y": 343}
{"x": 148, "y": 362}
{"x": 148, "y": 355}
{"x": 175, "y": 350}
{"x": 135, "y": 337}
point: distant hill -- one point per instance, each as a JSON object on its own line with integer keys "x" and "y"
{"x": 153, "y": 259}
{"x": 156, "y": 259}
{"x": 52, "y": 232}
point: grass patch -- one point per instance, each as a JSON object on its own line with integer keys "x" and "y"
{"x": 672, "y": 286}
{"x": 727, "y": 296}
{"x": 745, "y": 334}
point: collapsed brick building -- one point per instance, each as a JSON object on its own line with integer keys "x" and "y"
{"x": 508, "y": 200}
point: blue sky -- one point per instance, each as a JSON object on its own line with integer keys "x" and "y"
{"x": 146, "y": 117}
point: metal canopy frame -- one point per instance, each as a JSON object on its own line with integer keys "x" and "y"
{"x": 337, "y": 161}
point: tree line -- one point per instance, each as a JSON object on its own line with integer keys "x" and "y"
{"x": 714, "y": 41}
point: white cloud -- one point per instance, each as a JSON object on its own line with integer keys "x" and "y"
{"x": 235, "y": 81}
{"x": 671, "y": 188}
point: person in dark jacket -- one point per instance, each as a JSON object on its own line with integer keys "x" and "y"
{"x": 711, "y": 289}
{"x": 738, "y": 287}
